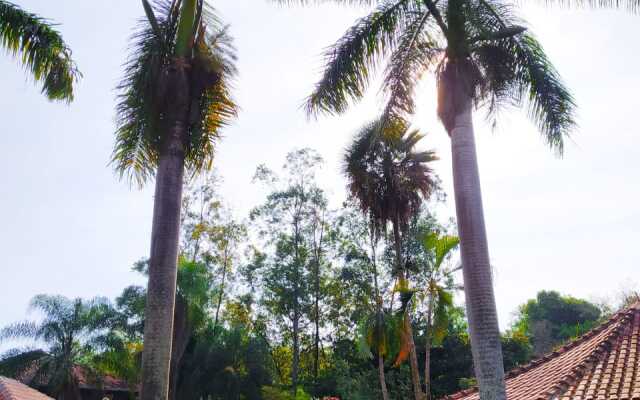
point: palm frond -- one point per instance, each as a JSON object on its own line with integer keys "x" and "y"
{"x": 51, "y": 306}
{"x": 551, "y": 105}
{"x": 632, "y": 6}
{"x": 441, "y": 246}
{"x": 415, "y": 53}
{"x": 516, "y": 70}
{"x": 19, "y": 330}
{"x": 444, "y": 301}
{"x": 351, "y": 61}
{"x": 140, "y": 114}
{"x": 321, "y": 2}
{"x": 41, "y": 49}
{"x": 215, "y": 70}
{"x": 385, "y": 174}
{"x": 138, "y": 121}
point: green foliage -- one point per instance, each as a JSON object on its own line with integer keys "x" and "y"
{"x": 273, "y": 393}
{"x": 480, "y": 47}
{"x": 67, "y": 329}
{"x": 41, "y": 50}
{"x": 232, "y": 364}
{"x": 142, "y": 110}
{"x": 551, "y": 319}
{"x": 385, "y": 173}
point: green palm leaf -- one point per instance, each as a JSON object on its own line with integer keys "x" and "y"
{"x": 140, "y": 106}
{"x": 441, "y": 246}
{"x": 350, "y": 63}
{"x": 40, "y": 48}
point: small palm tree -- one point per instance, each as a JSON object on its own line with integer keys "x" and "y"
{"x": 175, "y": 99}
{"x": 439, "y": 295}
{"x": 390, "y": 179}
{"x": 41, "y": 50}
{"x": 67, "y": 328}
{"x": 481, "y": 55}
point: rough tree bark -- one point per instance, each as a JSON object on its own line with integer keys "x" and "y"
{"x": 478, "y": 283}
{"x": 427, "y": 350}
{"x": 181, "y": 336}
{"x": 165, "y": 236}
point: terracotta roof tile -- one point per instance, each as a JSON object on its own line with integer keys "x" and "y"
{"x": 13, "y": 390}
{"x": 602, "y": 364}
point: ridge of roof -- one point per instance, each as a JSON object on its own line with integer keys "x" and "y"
{"x": 621, "y": 318}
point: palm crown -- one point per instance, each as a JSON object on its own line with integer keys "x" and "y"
{"x": 386, "y": 174}
{"x": 67, "y": 328}
{"x": 142, "y": 110}
{"x": 41, "y": 50}
{"x": 479, "y": 46}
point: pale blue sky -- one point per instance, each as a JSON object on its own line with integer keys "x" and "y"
{"x": 70, "y": 227}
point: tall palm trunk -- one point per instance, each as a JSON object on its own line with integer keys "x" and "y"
{"x": 413, "y": 357}
{"x": 161, "y": 291}
{"x": 427, "y": 348}
{"x": 165, "y": 236}
{"x": 165, "y": 230}
{"x": 478, "y": 285}
{"x": 181, "y": 337}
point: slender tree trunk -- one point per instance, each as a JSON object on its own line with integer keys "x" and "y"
{"x": 181, "y": 337}
{"x": 165, "y": 231}
{"x": 318, "y": 255}
{"x": 427, "y": 349}
{"x": 316, "y": 360}
{"x": 379, "y": 320}
{"x": 383, "y": 381}
{"x": 478, "y": 285}
{"x": 296, "y": 310}
{"x": 413, "y": 357}
{"x": 221, "y": 294}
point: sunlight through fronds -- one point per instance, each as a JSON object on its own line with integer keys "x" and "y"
{"x": 351, "y": 62}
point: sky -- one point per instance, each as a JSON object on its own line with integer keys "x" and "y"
{"x": 70, "y": 227}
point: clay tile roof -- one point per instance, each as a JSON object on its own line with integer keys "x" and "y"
{"x": 14, "y": 390}
{"x": 106, "y": 382}
{"x": 602, "y": 364}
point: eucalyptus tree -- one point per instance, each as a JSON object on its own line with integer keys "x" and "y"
{"x": 359, "y": 245}
{"x": 389, "y": 179}
{"x": 66, "y": 329}
{"x": 174, "y": 101}
{"x": 481, "y": 55}
{"x": 287, "y": 222}
{"x": 40, "y": 48}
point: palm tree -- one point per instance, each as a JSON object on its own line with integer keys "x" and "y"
{"x": 67, "y": 328}
{"x": 482, "y": 56}
{"x": 389, "y": 179}
{"x": 174, "y": 101}
{"x": 380, "y": 336}
{"x": 439, "y": 295}
{"x": 40, "y": 48}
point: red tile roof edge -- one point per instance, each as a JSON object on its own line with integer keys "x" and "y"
{"x": 10, "y": 389}
{"x": 622, "y": 316}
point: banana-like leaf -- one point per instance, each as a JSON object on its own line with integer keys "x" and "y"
{"x": 441, "y": 246}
